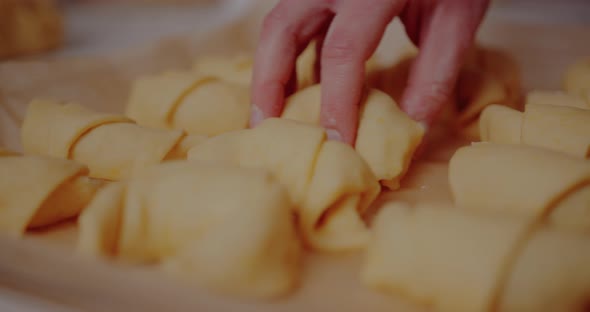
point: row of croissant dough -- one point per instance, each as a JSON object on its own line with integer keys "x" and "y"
{"x": 181, "y": 182}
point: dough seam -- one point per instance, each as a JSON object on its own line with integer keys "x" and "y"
{"x": 86, "y": 132}
{"x": 80, "y": 173}
{"x": 512, "y": 258}
{"x": 183, "y": 95}
{"x": 169, "y": 155}
{"x": 537, "y": 224}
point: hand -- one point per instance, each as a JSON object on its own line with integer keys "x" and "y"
{"x": 442, "y": 29}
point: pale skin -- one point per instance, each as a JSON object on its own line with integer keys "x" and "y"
{"x": 349, "y": 32}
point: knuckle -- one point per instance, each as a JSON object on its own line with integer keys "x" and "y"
{"x": 340, "y": 49}
{"x": 432, "y": 93}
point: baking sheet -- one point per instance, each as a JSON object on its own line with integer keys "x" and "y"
{"x": 44, "y": 264}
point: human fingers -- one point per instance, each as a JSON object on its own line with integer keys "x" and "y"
{"x": 352, "y": 38}
{"x": 289, "y": 25}
{"x": 445, "y": 38}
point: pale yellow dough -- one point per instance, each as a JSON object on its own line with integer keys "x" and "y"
{"x": 577, "y": 78}
{"x": 551, "y": 273}
{"x": 236, "y": 69}
{"x": 197, "y": 104}
{"x": 386, "y": 137}
{"x": 100, "y": 223}
{"x": 454, "y": 261}
{"x": 558, "y": 98}
{"x": 227, "y": 228}
{"x": 52, "y": 129}
{"x": 560, "y": 128}
{"x": 520, "y": 181}
{"x": 440, "y": 256}
{"x": 500, "y": 124}
{"x": 305, "y": 67}
{"x": 330, "y": 185}
{"x": 112, "y": 147}
{"x": 39, "y": 191}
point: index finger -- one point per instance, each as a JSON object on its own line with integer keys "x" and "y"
{"x": 353, "y": 36}
{"x": 290, "y": 25}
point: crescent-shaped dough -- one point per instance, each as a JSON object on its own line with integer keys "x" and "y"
{"x": 236, "y": 69}
{"x": 52, "y": 129}
{"x": 115, "y": 151}
{"x": 560, "y": 128}
{"x": 386, "y": 137}
{"x": 576, "y": 79}
{"x": 518, "y": 180}
{"x": 440, "y": 256}
{"x": 228, "y": 228}
{"x": 295, "y": 153}
{"x": 111, "y": 150}
{"x": 551, "y": 273}
{"x": 500, "y": 124}
{"x": 340, "y": 190}
{"x": 197, "y": 104}
{"x": 154, "y": 99}
{"x": 38, "y": 191}
{"x": 558, "y": 98}
{"x": 454, "y": 261}
{"x": 285, "y": 148}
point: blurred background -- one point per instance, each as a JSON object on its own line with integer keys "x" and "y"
{"x": 95, "y": 27}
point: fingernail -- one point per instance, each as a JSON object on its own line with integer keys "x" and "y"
{"x": 256, "y": 116}
{"x": 333, "y": 135}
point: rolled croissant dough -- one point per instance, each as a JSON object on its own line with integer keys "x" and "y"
{"x": 197, "y": 104}
{"x": 513, "y": 244}
{"x": 386, "y": 137}
{"x": 519, "y": 180}
{"x": 69, "y": 123}
{"x": 112, "y": 146}
{"x": 500, "y": 124}
{"x": 330, "y": 185}
{"x": 440, "y": 256}
{"x": 551, "y": 273}
{"x": 455, "y": 261}
{"x": 562, "y": 128}
{"x": 179, "y": 215}
{"x": 38, "y": 191}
